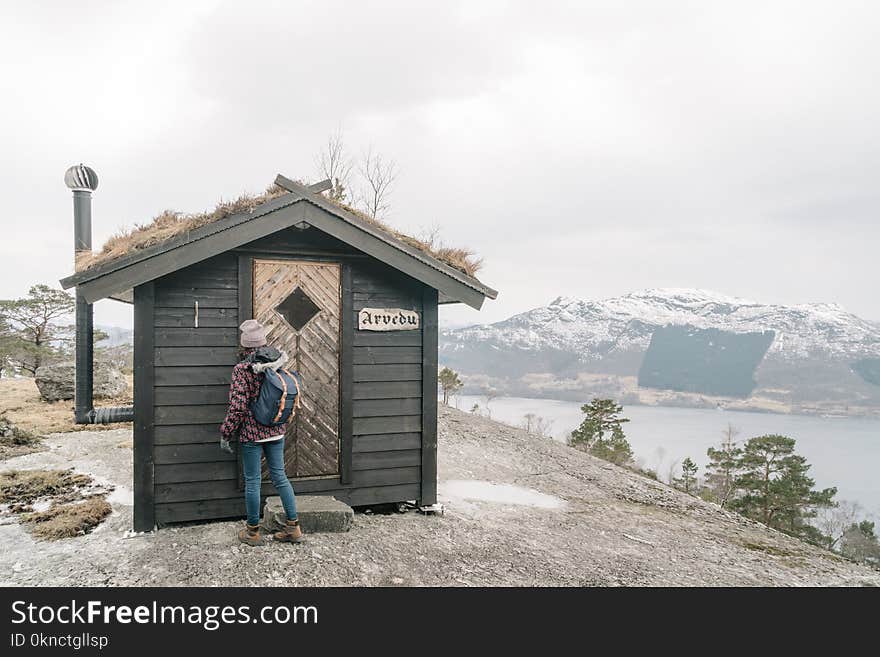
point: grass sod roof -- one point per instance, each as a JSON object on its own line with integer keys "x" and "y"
{"x": 170, "y": 223}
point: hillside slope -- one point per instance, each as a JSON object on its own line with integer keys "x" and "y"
{"x": 520, "y": 511}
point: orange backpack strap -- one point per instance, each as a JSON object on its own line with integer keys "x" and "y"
{"x": 283, "y": 395}
{"x": 296, "y": 400}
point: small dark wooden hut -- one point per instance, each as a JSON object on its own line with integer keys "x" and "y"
{"x": 355, "y": 308}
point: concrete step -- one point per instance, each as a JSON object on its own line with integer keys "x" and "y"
{"x": 316, "y": 513}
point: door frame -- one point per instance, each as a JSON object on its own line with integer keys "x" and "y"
{"x": 346, "y": 357}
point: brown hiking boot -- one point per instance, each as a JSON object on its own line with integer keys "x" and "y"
{"x": 292, "y": 533}
{"x": 250, "y": 535}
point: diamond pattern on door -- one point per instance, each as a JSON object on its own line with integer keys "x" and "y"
{"x": 298, "y": 309}
{"x": 299, "y": 304}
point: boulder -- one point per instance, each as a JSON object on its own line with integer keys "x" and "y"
{"x": 316, "y": 513}
{"x": 7, "y": 429}
{"x": 56, "y": 381}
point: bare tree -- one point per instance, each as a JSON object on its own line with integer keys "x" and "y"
{"x": 334, "y": 163}
{"x": 721, "y": 471}
{"x": 659, "y": 456}
{"x": 671, "y": 472}
{"x": 535, "y": 424}
{"x": 379, "y": 175}
{"x": 729, "y": 434}
{"x": 430, "y": 236}
{"x": 544, "y": 427}
{"x": 834, "y": 521}
{"x": 489, "y": 394}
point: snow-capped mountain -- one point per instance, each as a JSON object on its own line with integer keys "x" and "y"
{"x": 682, "y": 342}
{"x": 597, "y": 329}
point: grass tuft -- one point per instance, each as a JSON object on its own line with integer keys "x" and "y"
{"x": 68, "y": 520}
{"x": 14, "y": 436}
{"x": 768, "y": 549}
{"x": 22, "y": 487}
{"x": 170, "y": 223}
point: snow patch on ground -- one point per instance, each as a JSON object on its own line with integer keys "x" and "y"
{"x": 121, "y": 495}
{"x": 486, "y": 491}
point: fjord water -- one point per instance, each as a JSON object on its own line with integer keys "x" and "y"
{"x": 844, "y": 452}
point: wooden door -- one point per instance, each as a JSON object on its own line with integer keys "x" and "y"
{"x": 299, "y": 304}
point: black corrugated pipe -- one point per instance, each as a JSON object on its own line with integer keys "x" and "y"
{"x": 83, "y": 181}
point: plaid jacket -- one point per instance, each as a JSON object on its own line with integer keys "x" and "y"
{"x": 243, "y": 390}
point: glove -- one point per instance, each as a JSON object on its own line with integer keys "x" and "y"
{"x": 225, "y": 446}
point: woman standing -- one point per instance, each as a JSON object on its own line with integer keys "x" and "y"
{"x": 256, "y": 440}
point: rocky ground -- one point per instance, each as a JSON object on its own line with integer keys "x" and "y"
{"x": 555, "y": 516}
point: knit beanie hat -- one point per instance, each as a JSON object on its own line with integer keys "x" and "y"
{"x": 252, "y": 334}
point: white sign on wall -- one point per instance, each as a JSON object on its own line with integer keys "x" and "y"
{"x": 387, "y": 319}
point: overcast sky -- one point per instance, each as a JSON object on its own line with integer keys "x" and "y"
{"x": 583, "y": 149}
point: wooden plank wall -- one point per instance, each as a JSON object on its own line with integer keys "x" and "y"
{"x": 193, "y": 479}
{"x": 386, "y": 385}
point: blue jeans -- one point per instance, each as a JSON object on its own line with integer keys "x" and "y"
{"x": 251, "y": 454}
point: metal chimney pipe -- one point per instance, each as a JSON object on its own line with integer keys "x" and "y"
{"x": 82, "y": 220}
{"x": 83, "y": 181}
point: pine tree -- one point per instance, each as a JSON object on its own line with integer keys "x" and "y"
{"x": 449, "y": 383}
{"x": 859, "y": 543}
{"x": 721, "y": 471}
{"x": 688, "y": 480}
{"x": 601, "y": 432}
{"x": 615, "y": 448}
{"x": 35, "y": 320}
{"x": 8, "y": 342}
{"x": 776, "y": 489}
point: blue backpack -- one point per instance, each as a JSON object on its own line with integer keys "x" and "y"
{"x": 278, "y": 399}
{"x": 279, "y": 393}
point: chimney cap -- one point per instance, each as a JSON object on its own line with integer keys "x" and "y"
{"x": 81, "y": 178}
